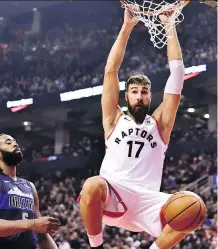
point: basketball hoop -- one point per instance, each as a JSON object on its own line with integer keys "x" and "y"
{"x": 147, "y": 11}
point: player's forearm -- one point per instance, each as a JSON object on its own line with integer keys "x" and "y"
{"x": 9, "y": 227}
{"x": 117, "y": 52}
{"x": 46, "y": 242}
{"x": 173, "y": 49}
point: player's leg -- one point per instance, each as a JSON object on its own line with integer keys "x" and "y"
{"x": 168, "y": 238}
{"x": 92, "y": 201}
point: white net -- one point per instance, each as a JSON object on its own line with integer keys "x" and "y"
{"x": 148, "y": 12}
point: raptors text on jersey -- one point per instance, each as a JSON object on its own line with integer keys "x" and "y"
{"x": 134, "y": 154}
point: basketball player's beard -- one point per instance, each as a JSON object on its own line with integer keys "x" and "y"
{"x": 12, "y": 159}
{"x": 138, "y": 113}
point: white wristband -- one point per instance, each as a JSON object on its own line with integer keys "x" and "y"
{"x": 176, "y": 80}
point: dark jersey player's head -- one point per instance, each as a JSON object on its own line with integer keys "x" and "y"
{"x": 10, "y": 153}
{"x": 138, "y": 96}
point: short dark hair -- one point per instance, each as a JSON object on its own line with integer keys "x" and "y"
{"x": 138, "y": 79}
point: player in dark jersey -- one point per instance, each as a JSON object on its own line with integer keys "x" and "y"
{"x": 21, "y": 226}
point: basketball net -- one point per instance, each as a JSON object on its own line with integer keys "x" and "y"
{"x": 148, "y": 12}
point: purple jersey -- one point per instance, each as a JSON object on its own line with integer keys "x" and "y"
{"x": 17, "y": 203}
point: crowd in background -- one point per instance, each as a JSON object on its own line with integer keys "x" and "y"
{"x": 188, "y": 168}
{"x": 82, "y": 144}
{"x": 197, "y": 132}
{"x": 55, "y": 60}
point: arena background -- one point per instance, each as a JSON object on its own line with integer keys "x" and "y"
{"x": 52, "y": 57}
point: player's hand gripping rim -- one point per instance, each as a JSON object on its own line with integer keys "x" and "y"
{"x": 130, "y": 17}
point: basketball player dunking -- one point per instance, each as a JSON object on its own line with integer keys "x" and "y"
{"x": 21, "y": 226}
{"x": 126, "y": 194}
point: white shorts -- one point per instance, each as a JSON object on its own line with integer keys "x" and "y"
{"x": 144, "y": 209}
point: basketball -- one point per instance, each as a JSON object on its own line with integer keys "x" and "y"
{"x": 185, "y": 211}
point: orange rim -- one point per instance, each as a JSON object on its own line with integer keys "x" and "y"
{"x": 151, "y": 12}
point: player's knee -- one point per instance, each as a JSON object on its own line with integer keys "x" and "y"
{"x": 94, "y": 190}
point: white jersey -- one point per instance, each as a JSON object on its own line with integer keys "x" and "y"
{"x": 134, "y": 154}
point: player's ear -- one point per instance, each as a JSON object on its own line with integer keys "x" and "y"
{"x": 150, "y": 96}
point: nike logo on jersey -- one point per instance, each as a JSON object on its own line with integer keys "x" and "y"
{"x": 128, "y": 119}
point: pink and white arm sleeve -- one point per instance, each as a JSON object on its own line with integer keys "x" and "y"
{"x": 176, "y": 80}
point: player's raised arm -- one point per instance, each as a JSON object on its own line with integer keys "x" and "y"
{"x": 166, "y": 112}
{"x": 110, "y": 94}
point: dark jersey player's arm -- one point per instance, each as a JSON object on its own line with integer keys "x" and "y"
{"x": 110, "y": 94}
{"x": 45, "y": 240}
{"x": 13, "y": 227}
